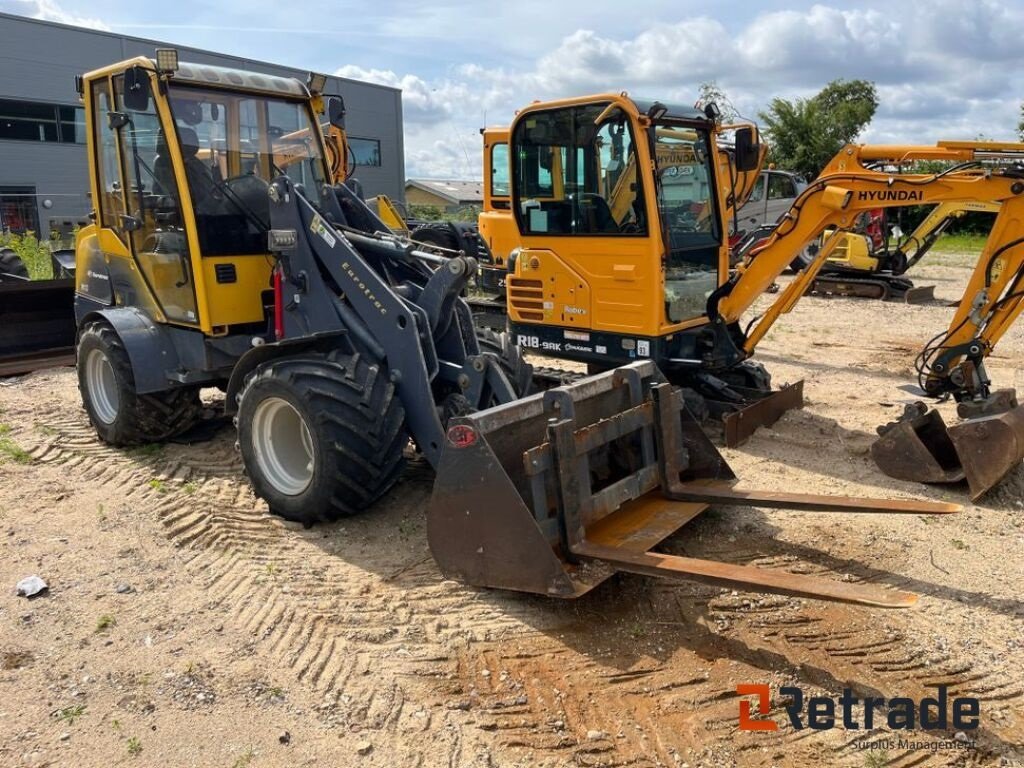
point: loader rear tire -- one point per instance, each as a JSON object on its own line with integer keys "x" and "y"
{"x": 440, "y": 235}
{"x": 11, "y": 266}
{"x": 321, "y": 436}
{"x": 513, "y": 365}
{"x": 120, "y": 415}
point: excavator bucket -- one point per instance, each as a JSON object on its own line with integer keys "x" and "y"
{"x": 554, "y": 493}
{"x": 917, "y": 447}
{"x": 921, "y": 448}
{"x": 989, "y": 447}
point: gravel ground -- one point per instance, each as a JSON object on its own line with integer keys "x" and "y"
{"x": 185, "y": 626}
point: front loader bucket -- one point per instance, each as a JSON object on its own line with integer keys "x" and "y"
{"x": 989, "y": 447}
{"x": 554, "y": 493}
{"x": 917, "y": 447}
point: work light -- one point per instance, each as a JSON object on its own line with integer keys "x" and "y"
{"x": 316, "y": 82}
{"x": 167, "y": 60}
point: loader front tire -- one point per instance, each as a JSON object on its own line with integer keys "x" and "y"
{"x": 321, "y": 436}
{"x": 120, "y": 415}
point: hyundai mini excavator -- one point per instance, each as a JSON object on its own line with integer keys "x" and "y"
{"x": 223, "y": 255}
{"x": 863, "y": 266}
{"x": 651, "y": 279}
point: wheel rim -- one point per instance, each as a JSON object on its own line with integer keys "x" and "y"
{"x": 283, "y": 446}
{"x": 103, "y": 391}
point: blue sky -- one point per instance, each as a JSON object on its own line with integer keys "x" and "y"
{"x": 944, "y": 68}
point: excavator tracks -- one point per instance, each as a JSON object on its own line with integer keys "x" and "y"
{"x": 884, "y": 288}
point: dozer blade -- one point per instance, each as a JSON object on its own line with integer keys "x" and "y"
{"x": 556, "y": 492}
{"x": 741, "y": 423}
{"x": 989, "y": 448}
{"x": 919, "y": 294}
{"x": 917, "y": 447}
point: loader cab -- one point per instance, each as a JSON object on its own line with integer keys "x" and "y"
{"x": 619, "y": 212}
{"x": 182, "y": 163}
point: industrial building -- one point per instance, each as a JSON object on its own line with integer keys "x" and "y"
{"x": 43, "y": 175}
{"x": 446, "y": 195}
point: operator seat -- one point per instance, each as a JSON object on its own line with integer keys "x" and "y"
{"x": 592, "y": 214}
{"x": 201, "y": 182}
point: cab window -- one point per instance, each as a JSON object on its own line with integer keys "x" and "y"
{"x": 499, "y": 170}
{"x": 780, "y": 187}
{"x": 575, "y": 173}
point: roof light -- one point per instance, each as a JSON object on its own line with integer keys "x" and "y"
{"x": 316, "y": 82}
{"x": 167, "y": 60}
{"x": 711, "y": 111}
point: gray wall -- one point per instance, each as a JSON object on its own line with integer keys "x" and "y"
{"x": 38, "y": 62}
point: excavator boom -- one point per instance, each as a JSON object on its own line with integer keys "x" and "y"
{"x": 864, "y": 178}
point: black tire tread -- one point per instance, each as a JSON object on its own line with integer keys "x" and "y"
{"x": 11, "y": 264}
{"x": 148, "y": 418}
{"x": 360, "y": 424}
{"x": 439, "y": 234}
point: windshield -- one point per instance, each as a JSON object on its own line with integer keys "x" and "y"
{"x": 687, "y": 205}
{"x": 575, "y": 172}
{"x": 233, "y": 145}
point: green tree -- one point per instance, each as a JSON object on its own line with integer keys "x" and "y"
{"x": 1020, "y": 124}
{"x": 711, "y": 93}
{"x": 804, "y": 134}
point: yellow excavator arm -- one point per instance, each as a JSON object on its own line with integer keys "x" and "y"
{"x": 857, "y": 180}
{"x": 914, "y": 246}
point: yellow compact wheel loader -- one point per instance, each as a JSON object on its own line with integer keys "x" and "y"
{"x": 223, "y": 254}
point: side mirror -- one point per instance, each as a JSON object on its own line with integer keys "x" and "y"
{"x": 336, "y": 111}
{"x": 117, "y": 120}
{"x": 748, "y": 152}
{"x": 136, "y": 89}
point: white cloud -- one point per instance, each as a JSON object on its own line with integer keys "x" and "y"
{"x": 944, "y": 69}
{"x": 49, "y": 10}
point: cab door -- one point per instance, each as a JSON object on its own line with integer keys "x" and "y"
{"x": 154, "y": 221}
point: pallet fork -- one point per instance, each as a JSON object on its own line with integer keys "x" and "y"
{"x": 554, "y": 493}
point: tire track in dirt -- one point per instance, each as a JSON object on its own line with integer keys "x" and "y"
{"x": 659, "y": 686}
{"x": 639, "y": 673}
{"x": 356, "y": 610}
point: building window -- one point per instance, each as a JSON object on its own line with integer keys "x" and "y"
{"x": 365, "y": 151}
{"x": 18, "y": 212}
{"x": 36, "y": 121}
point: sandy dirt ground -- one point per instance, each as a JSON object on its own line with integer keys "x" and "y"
{"x": 184, "y": 626}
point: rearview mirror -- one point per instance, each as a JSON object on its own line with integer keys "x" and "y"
{"x": 336, "y": 111}
{"x": 136, "y": 89}
{"x": 748, "y": 153}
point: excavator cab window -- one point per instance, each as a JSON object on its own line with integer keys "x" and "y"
{"x": 687, "y": 205}
{"x": 573, "y": 175}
